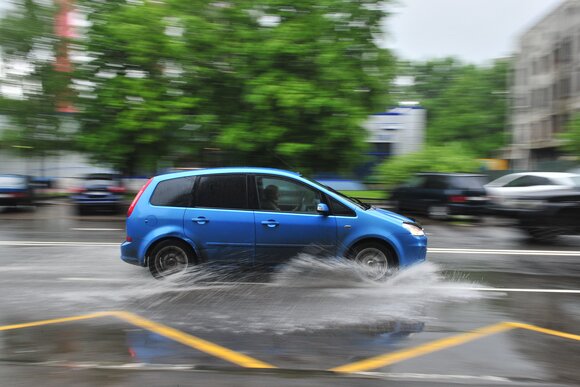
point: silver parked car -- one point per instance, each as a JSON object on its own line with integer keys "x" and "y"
{"x": 504, "y": 192}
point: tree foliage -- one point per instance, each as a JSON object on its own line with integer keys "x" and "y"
{"x": 272, "y": 83}
{"x": 571, "y": 136}
{"x": 28, "y": 48}
{"x": 465, "y": 103}
{"x": 452, "y": 157}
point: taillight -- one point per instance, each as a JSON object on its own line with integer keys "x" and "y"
{"x": 78, "y": 190}
{"x": 137, "y": 197}
{"x": 115, "y": 189}
{"x": 457, "y": 199}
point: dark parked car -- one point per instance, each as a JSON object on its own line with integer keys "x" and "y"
{"x": 440, "y": 195}
{"x": 16, "y": 190}
{"x": 99, "y": 191}
{"x": 545, "y": 216}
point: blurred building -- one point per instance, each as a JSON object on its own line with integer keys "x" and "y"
{"x": 545, "y": 86}
{"x": 398, "y": 131}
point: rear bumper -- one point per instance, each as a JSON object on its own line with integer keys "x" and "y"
{"x": 80, "y": 201}
{"x": 129, "y": 253}
{"x": 467, "y": 209}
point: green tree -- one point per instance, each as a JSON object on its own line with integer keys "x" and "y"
{"x": 269, "y": 82}
{"x": 452, "y": 157}
{"x": 571, "y": 137}
{"x": 465, "y": 103}
{"x": 28, "y": 48}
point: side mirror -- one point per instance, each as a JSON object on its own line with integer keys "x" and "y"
{"x": 322, "y": 209}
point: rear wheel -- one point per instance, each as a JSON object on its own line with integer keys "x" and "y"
{"x": 543, "y": 234}
{"x": 169, "y": 258}
{"x": 377, "y": 259}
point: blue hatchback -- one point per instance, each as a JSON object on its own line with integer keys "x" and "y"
{"x": 260, "y": 216}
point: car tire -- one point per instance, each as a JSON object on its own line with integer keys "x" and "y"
{"x": 438, "y": 212}
{"x": 543, "y": 234}
{"x": 169, "y": 258}
{"x": 80, "y": 211}
{"x": 377, "y": 257}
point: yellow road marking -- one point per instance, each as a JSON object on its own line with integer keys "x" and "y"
{"x": 193, "y": 342}
{"x": 54, "y": 321}
{"x": 433, "y": 346}
{"x": 552, "y": 332}
{"x": 163, "y": 330}
{"x": 249, "y": 362}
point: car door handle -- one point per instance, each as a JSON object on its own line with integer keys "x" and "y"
{"x": 200, "y": 220}
{"x": 270, "y": 223}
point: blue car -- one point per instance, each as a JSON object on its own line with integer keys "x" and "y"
{"x": 16, "y": 190}
{"x": 260, "y": 216}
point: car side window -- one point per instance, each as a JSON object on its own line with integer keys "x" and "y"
{"x": 436, "y": 182}
{"x": 222, "y": 191}
{"x": 523, "y": 181}
{"x": 415, "y": 181}
{"x": 276, "y": 194}
{"x": 173, "y": 193}
{"x": 339, "y": 209}
{"x": 543, "y": 181}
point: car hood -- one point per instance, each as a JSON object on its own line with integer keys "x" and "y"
{"x": 389, "y": 215}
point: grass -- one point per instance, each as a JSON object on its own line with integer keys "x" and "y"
{"x": 366, "y": 194}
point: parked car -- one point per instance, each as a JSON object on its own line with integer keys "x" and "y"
{"x": 98, "y": 191}
{"x": 547, "y": 215}
{"x": 441, "y": 195}
{"x": 504, "y": 190}
{"x": 260, "y": 216}
{"x": 16, "y": 190}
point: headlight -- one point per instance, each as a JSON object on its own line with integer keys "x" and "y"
{"x": 414, "y": 229}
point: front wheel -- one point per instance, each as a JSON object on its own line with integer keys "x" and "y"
{"x": 169, "y": 258}
{"x": 377, "y": 260}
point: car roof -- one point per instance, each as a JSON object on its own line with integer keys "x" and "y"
{"x": 544, "y": 174}
{"x": 449, "y": 174}
{"x": 212, "y": 171}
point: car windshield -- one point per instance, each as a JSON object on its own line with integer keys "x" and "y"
{"x": 468, "y": 182}
{"x": 355, "y": 201}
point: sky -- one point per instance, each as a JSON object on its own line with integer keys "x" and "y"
{"x": 476, "y": 31}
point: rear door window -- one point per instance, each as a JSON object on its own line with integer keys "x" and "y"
{"x": 173, "y": 193}
{"x": 222, "y": 191}
{"x": 468, "y": 182}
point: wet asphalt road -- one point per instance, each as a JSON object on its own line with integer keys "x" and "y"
{"x": 307, "y": 319}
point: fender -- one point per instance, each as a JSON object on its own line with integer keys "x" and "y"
{"x": 164, "y": 233}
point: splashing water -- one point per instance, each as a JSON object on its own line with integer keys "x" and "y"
{"x": 308, "y": 293}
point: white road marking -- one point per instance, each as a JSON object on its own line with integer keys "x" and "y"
{"x": 432, "y": 250}
{"x": 58, "y": 244}
{"x": 95, "y": 229}
{"x": 416, "y": 376}
{"x": 89, "y": 279}
{"x": 435, "y": 250}
{"x": 520, "y": 290}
